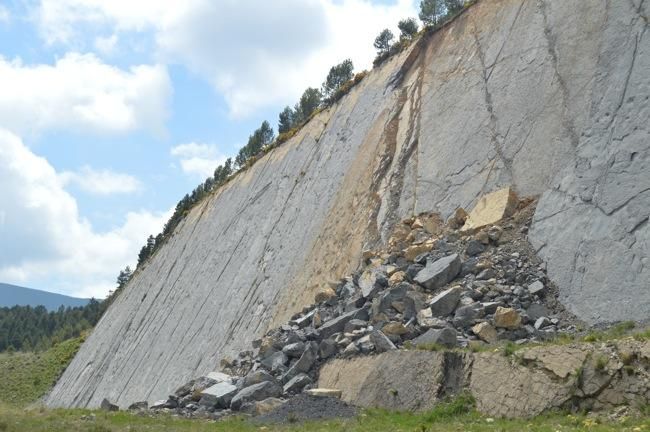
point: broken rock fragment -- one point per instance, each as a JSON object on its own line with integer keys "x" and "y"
{"x": 491, "y": 208}
{"x": 438, "y": 273}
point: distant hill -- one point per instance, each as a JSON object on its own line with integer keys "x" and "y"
{"x": 12, "y": 295}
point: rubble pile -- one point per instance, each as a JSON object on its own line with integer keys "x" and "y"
{"x": 471, "y": 281}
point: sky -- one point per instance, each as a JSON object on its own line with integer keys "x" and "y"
{"x": 111, "y": 111}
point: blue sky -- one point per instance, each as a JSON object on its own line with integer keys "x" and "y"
{"x": 111, "y": 111}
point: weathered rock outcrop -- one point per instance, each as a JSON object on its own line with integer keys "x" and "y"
{"x": 549, "y": 97}
{"x": 530, "y": 382}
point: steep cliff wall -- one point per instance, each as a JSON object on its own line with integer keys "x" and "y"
{"x": 549, "y": 96}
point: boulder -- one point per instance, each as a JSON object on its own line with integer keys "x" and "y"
{"x": 397, "y": 277}
{"x": 219, "y": 395}
{"x": 355, "y": 324}
{"x": 535, "y": 311}
{"x": 294, "y": 350}
{"x": 255, "y": 392}
{"x": 381, "y": 342}
{"x": 445, "y": 337}
{"x": 106, "y": 405}
{"x": 255, "y": 377}
{"x": 337, "y": 325}
{"x": 139, "y": 406}
{"x": 327, "y": 348}
{"x": 491, "y": 208}
{"x": 444, "y": 303}
{"x": 393, "y": 295}
{"x": 276, "y": 361}
{"x": 465, "y": 315}
{"x": 507, "y": 318}
{"x": 485, "y": 332}
{"x": 371, "y": 282}
{"x": 323, "y": 392}
{"x": 411, "y": 252}
{"x": 257, "y": 408}
{"x": 439, "y": 273}
{"x": 218, "y": 377}
{"x": 297, "y": 383}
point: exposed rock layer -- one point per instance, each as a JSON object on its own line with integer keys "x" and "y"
{"x": 530, "y": 382}
{"x": 550, "y": 97}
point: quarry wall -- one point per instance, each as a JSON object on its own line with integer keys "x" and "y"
{"x": 549, "y": 96}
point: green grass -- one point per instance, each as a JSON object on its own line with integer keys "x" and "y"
{"x": 25, "y": 377}
{"x": 457, "y": 415}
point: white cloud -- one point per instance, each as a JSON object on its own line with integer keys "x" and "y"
{"x": 255, "y": 53}
{"x": 49, "y": 241}
{"x": 101, "y": 182}
{"x": 198, "y": 159}
{"x": 80, "y": 93}
{"x": 106, "y": 45}
{"x": 5, "y": 16}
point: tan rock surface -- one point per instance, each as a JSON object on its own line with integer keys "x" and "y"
{"x": 491, "y": 208}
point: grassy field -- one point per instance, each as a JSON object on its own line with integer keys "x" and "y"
{"x": 453, "y": 416}
{"x": 25, "y": 377}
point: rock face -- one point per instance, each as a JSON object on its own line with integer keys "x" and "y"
{"x": 527, "y": 384}
{"x": 547, "y": 97}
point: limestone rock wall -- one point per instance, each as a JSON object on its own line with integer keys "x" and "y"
{"x": 549, "y": 96}
{"x": 528, "y": 383}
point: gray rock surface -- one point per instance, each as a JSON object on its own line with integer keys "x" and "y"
{"x": 550, "y": 97}
{"x": 257, "y": 392}
{"x": 436, "y": 274}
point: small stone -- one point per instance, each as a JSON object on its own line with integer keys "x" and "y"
{"x": 138, "y": 406}
{"x": 317, "y": 319}
{"x": 458, "y": 218}
{"x": 542, "y": 322}
{"x": 426, "y": 319}
{"x": 365, "y": 345}
{"x": 324, "y": 294}
{"x": 445, "y": 337}
{"x": 474, "y": 247}
{"x": 411, "y": 252}
{"x": 160, "y": 404}
{"x": 444, "y": 303}
{"x": 323, "y": 392}
{"x": 106, "y": 405}
{"x": 507, "y": 318}
{"x": 486, "y": 332}
{"x": 439, "y": 273}
{"x": 350, "y": 350}
{"x": 495, "y": 232}
{"x": 397, "y": 278}
{"x": 536, "y": 287}
{"x": 394, "y": 329}
{"x": 482, "y": 237}
{"x": 355, "y": 324}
